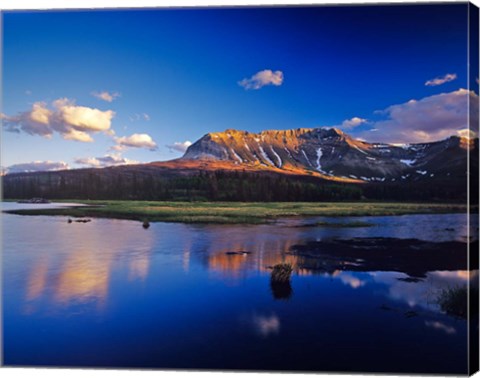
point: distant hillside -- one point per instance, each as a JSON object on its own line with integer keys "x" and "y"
{"x": 289, "y": 165}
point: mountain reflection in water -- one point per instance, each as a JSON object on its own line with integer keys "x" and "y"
{"x": 110, "y": 293}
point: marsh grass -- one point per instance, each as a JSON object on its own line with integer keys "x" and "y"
{"x": 454, "y": 301}
{"x": 238, "y": 212}
{"x": 281, "y": 273}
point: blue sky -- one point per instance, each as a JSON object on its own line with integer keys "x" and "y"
{"x": 170, "y": 76}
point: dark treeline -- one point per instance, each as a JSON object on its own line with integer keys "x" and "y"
{"x": 131, "y": 184}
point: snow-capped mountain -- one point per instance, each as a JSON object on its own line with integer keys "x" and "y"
{"x": 332, "y": 154}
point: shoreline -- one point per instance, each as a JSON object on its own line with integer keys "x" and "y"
{"x": 234, "y": 212}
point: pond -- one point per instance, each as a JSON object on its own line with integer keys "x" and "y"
{"x": 109, "y": 293}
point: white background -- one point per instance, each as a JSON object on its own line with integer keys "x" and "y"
{"x": 78, "y": 373}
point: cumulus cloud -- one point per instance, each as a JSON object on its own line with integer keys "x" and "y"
{"x": 71, "y": 121}
{"x": 82, "y": 117}
{"x": 79, "y": 136}
{"x": 34, "y": 122}
{"x": 136, "y": 141}
{"x": 106, "y": 96}
{"x": 352, "y": 122}
{"x": 179, "y": 146}
{"x": 440, "y": 80}
{"x": 261, "y": 79}
{"x": 37, "y": 166}
{"x": 104, "y": 161}
{"x": 428, "y": 119}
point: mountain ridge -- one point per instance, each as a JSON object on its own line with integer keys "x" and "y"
{"x": 331, "y": 154}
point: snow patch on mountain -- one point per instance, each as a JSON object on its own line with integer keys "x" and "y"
{"x": 308, "y": 160}
{"x": 279, "y": 159}
{"x": 408, "y": 162}
{"x": 319, "y": 155}
{"x": 236, "y": 155}
{"x": 265, "y": 156}
{"x": 363, "y": 152}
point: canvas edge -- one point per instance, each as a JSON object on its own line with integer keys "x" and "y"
{"x": 473, "y": 191}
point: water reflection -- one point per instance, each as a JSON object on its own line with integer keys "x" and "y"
{"x": 348, "y": 279}
{"x": 138, "y": 267}
{"x": 135, "y": 297}
{"x": 80, "y": 263}
{"x": 84, "y": 277}
{"x": 437, "y": 325}
{"x": 37, "y": 280}
{"x": 281, "y": 290}
{"x": 266, "y": 325}
{"x": 81, "y": 270}
{"x": 423, "y": 293}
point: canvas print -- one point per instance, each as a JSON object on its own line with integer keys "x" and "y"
{"x": 282, "y": 188}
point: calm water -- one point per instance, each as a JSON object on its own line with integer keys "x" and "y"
{"x": 109, "y": 293}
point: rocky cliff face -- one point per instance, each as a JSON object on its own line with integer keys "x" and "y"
{"x": 333, "y": 154}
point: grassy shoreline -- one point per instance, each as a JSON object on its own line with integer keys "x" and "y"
{"x": 236, "y": 212}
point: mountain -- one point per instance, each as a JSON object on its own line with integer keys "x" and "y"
{"x": 284, "y": 165}
{"x": 333, "y": 155}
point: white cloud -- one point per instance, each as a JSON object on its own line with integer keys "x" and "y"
{"x": 40, "y": 113}
{"x": 353, "y": 122}
{"x": 71, "y": 121}
{"x": 136, "y": 141}
{"x": 179, "y": 146}
{"x": 104, "y": 161}
{"x": 79, "y": 136}
{"x": 261, "y": 79}
{"x": 440, "y": 80}
{"x": 34, "y": 122}
{"x": 82, "y": 117}
{"x": 428, "y": 119}
{"x": 106, "y": 96}
{"x": 37, "y": 166}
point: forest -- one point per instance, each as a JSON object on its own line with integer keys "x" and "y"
{"x": 147, "y": 184}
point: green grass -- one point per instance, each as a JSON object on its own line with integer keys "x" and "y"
{"x": 237, "y": 212}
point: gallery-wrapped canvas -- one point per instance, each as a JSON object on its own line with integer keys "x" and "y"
{"x": 281, "y": 188}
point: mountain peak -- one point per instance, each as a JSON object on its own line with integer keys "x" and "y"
{"x": 326, "y": 152}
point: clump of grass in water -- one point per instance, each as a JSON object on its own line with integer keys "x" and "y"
{"x": 281, "y": 273}
{"x": 280, "y": 281}
{"x": 454, "y": 301}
